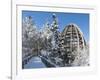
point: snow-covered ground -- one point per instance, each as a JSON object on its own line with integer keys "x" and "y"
{"x": 35, "y": 62}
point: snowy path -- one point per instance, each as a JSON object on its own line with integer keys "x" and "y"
{"x": 35, "y": 62}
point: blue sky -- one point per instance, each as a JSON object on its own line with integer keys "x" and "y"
{"x": 81, "y": 19}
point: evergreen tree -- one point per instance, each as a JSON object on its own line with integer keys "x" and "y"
{"x": 56, "y": 45}
{"x": 54, "y": 29}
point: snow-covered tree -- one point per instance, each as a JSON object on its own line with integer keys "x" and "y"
{"x": 81, "y": 57}
{"x": 29, "y": 37}
{"x": 46, "y": 34}
{"x": 54, "y": 42}
{"x": 55, "y": 35}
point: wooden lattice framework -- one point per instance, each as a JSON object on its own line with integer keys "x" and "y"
{"x": 73, "y": 38}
